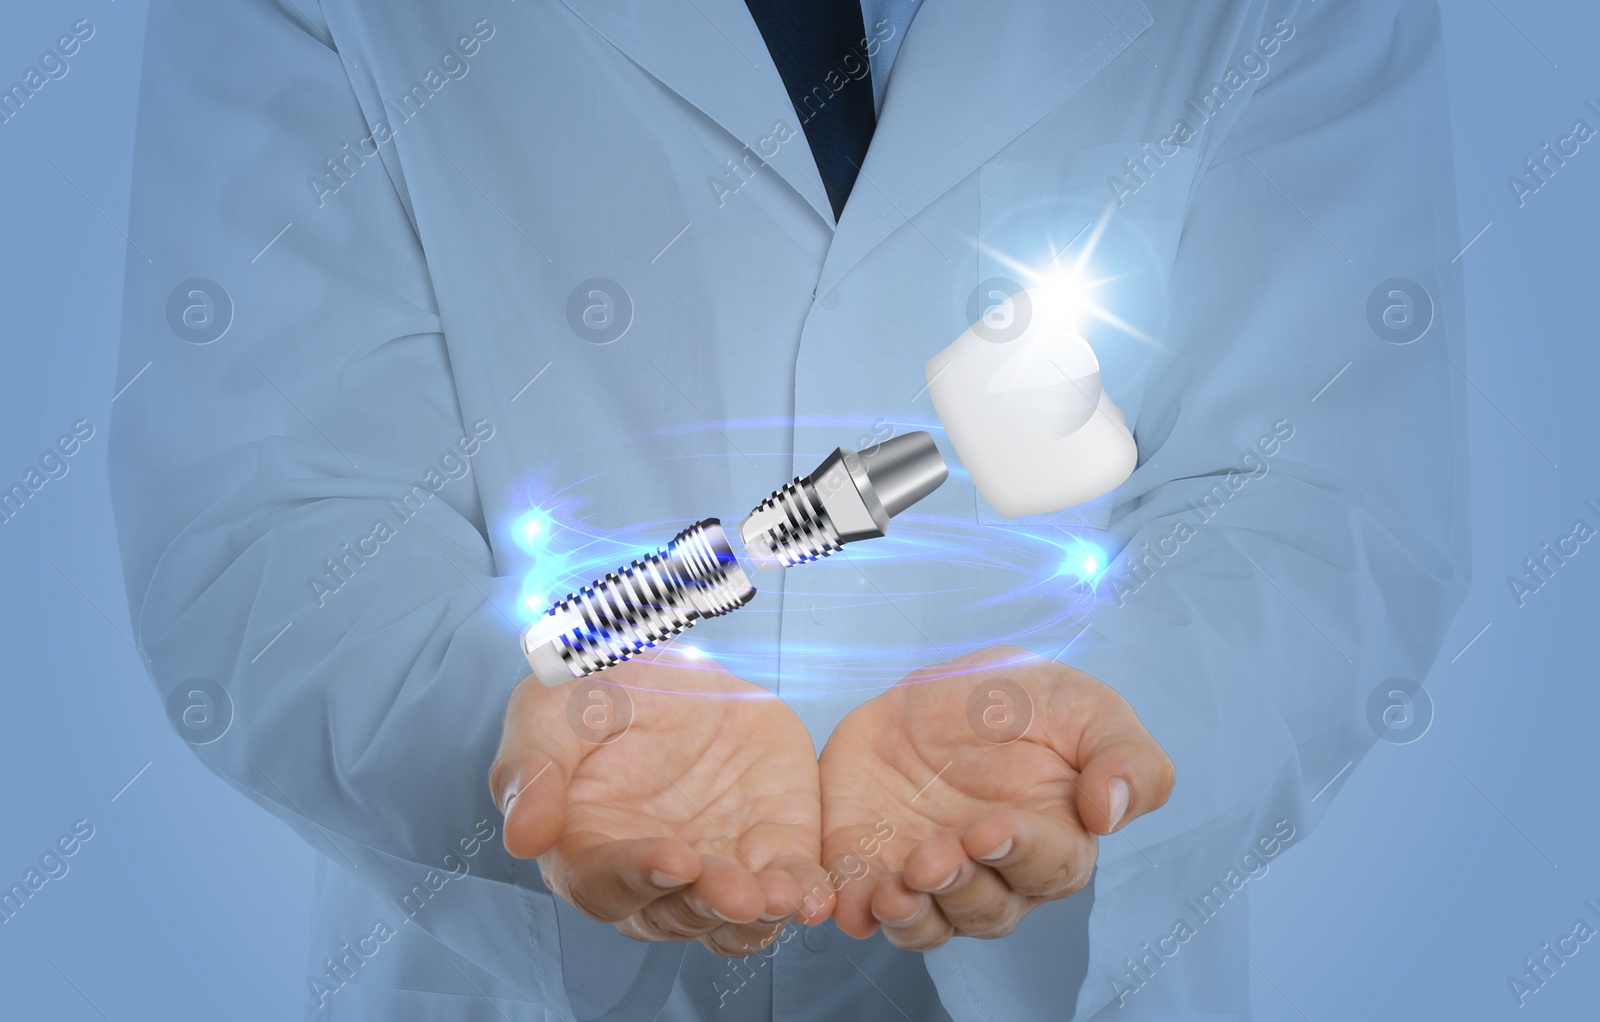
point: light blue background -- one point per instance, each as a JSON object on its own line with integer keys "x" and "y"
{"x": 1442, "y": 865}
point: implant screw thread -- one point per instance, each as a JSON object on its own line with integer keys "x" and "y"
{"x": 652, "y": 599}
{"x": 805, "y": 533}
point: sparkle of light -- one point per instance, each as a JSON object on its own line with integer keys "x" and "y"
{"x": 1083, "y": 560}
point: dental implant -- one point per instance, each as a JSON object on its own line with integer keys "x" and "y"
{"x": 851, "y": 496}
{"x": 648, "y": 602}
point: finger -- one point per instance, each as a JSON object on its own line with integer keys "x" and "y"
{"x": 731, "y": 941}
{"x": 690, "y": 916}
{"x": 852, "y": 903}
{"x": 671, "y": 917}
{"x": 849, "y": 883}
{"x": 972, "y": 896}
{"x": 725, "y": 892}
{"x": 610, "y": 880}
{"x": 538, "y": 754}
{"x": 1123, "y": 773}
{"x": 1123, "y": 780}
{"x": 911, "y": 920}
{"x": 935, "y": 863}
{"x": 1037, "y": 855}
{"x": 735, "y": 941}
{"x": 785, "y": 884}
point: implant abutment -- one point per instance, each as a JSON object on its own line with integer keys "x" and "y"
{"x": 904, "y": 469}
{"x": 851, "y": 496}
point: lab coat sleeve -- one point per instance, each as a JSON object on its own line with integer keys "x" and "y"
{"x": 295, "y": 500}
{"x": 1285, "y": 549}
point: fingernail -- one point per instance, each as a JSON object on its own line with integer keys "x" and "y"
{"x": 666, "y": 881}
{"x": 913, "y": 917}
{"x": 701, "y": 908}
{"x": 1119, "y": 801}
{"x": 772, "y": 918}
{"x": 949, "y": 882}
{"x": 509, "y": 799}
{"x": 999, "y": 853}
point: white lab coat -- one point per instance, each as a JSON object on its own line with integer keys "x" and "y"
{"x": 394, "y": 293}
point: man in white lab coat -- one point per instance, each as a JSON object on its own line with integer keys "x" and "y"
{"x": 416, "y": 270}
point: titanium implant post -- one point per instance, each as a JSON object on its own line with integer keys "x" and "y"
{"x": 851, "y": 496}
{"x": 648, "y": 602}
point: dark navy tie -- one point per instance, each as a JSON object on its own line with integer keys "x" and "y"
{"x": 819, "y": 48}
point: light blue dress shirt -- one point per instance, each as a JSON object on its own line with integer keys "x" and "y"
{"x": 896, "y": 16}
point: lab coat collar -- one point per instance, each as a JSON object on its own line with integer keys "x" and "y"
{"x": 711, "y": 53}
{"x": 969, "y": 78}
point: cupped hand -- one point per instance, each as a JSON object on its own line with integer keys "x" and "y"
{"x": 669, "y": 798}
{"x": 994, "y": 774}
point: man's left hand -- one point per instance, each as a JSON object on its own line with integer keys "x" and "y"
{"x": 991, "y": 776}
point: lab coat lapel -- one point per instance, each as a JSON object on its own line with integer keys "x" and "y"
{"x": 968, "y": 79}
{"x": 711, "y": 53}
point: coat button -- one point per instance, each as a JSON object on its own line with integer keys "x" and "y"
{"x": 831, "y": 299}
{"x": 817, "y": 938}
{"x": 819, "y": 613}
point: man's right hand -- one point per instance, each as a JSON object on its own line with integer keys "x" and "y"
{"x": 694, "y": 816}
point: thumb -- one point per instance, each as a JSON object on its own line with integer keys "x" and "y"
{"x": 1123, "y": 772}
{"x": 541, "y": 748}
{"x": 1124, "y": 779}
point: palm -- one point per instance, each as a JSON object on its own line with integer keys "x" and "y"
{"x": 718, "y": 764}
{"x": 910, "y": 757}
{"x": 668, "y": 797}
{"x": 975, "y": 791}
